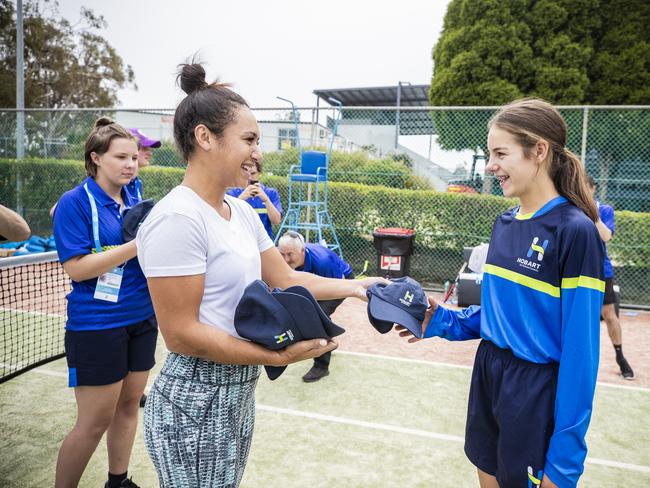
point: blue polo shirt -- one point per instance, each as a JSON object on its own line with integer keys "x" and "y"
{"x": 73, "y": 233}
{"x": 322, "y": 261}
{"x": 134, "y": 189}
{"x": 606, "y": 213}
{"x": 258, "y": 204}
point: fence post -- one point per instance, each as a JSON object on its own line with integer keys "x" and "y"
{"x": 312, "y": 138}
{"x": 585, "y": 125}
{"x": 20, "y": 102}
{"x": 399, "y": 99}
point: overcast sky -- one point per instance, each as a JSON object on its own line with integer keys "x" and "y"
{"x": 269, "y": 48}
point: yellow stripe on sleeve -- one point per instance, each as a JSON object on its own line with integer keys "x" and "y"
{"x": 584, "y": 282}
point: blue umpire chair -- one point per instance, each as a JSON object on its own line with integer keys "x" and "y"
{"x": 307, "y": 208}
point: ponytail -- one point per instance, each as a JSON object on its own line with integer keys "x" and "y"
{"x": 530, "y": 120}
{"x": 570, "y": 180}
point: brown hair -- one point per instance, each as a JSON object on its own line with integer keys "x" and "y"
{"x": 99, "y": 140}
{"x": 531, "y": 120}
{"x": 211, "y": 104}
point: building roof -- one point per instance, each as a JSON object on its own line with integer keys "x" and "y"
{"x": 378, "y": 96}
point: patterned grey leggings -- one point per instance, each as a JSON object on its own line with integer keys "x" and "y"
{"x": 198, "y": 422}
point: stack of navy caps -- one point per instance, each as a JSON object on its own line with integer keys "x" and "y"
{"x": 402, "y": 302}
{"x": 279, "y": 318}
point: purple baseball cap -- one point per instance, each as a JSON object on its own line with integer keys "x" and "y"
{"x": 144, "y": 140}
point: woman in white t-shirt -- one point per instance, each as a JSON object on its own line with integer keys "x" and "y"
{"x": 199, "y": 248}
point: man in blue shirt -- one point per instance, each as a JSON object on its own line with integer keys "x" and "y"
{"x": 606, "y": 228}
{"x": 319, "y": 260}
{"x": 265, "y": 200}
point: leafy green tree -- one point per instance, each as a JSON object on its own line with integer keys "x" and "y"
{"x": 620, "y": 68}
{"x": 66, "y": 65}
{"x": 566, "y": 51}
{"x": 494, "y": 51}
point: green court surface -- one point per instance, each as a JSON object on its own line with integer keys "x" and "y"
{"x": 374, "y": 422}
{"x": 28, "y": 337}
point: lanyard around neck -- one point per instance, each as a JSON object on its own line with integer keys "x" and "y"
{"x": 95, "y": 218}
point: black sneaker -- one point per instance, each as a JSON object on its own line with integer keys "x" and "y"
{"x": 126, "y": 483}
{"x": 143, "y": 400}
{"x": 315, "y": 374}
{"x": 626, "y": 370}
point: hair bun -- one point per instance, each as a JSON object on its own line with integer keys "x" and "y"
{"x": 192, "y": 77}
{"x": 102, "y": 122}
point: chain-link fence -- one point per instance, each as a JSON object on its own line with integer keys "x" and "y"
{"x": 419, "y": 168}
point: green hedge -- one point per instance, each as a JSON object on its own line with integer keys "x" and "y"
{"x": 444, "y": 222}
{"x": 392, "y": 171}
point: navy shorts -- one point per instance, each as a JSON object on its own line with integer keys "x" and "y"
{"x": 510, "y": 415}
{"x": 610, "y": 294}
{"x": 103, "y": 357}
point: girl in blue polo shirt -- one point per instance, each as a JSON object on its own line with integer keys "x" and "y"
{"x": 534, "y": 377}
{"x": 111, "y": 330}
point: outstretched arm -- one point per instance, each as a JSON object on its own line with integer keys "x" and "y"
{"x": 277, "y": 273}
{"x": 12, "y": 226}
{"x": 177, "y": 300}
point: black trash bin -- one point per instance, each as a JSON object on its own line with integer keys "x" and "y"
{"x": 394, "y": 247}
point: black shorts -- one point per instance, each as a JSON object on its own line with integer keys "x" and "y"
{"x": 103, "y": 357}
{"x": 610, "y": 295}
{"x": 510, "y": 415}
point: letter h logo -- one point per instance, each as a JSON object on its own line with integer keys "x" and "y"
{"x": 536, "y": 248}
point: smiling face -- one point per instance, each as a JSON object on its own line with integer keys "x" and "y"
{"x": 514, "y": 170}
{"x": 119, "y": 164}
{"x": 239, "y": 147}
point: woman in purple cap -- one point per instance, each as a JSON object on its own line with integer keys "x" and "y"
{"x": 145, "y": 152}
{"x": 200, "y": 248}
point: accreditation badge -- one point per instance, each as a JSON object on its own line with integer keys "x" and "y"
{"x": 108, "y": 285}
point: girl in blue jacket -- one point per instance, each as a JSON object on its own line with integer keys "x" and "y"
{"x": 535, "y": 370}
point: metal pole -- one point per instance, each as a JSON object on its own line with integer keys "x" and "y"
{"x": 585, "y": 124}
{"x": 20, "y": 101}
{"x": 399, "y": 96}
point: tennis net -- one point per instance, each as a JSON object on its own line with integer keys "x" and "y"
{"x": 32, "y": 312}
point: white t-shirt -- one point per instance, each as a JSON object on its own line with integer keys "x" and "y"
{"x": 183, "y": 235}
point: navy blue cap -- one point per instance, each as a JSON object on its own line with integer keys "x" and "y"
{"x": 401, "y": 302}
{"x": 280, "y": 318}
{"x": 133, "y": 217}
{"x": 331, "y": 328}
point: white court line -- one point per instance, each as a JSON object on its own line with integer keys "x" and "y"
{"x": 403, "y": 360}
{"x": 389, "y": 428}
{"x": 423, "y": 433}
{"x": 361, "y": 423}
{"x": 462, "y": 366}
{"x": 32, "y": 312}
{"x": 49, "y": 372}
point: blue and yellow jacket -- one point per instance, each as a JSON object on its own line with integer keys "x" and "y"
{"x": 541, "y": 298}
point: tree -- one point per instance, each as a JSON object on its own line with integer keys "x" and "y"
{"x": 66, "y": 65}
{"x": 620, "y": 68}
{"x": 491, "y": 52}
{"x": 565, "y": 51}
